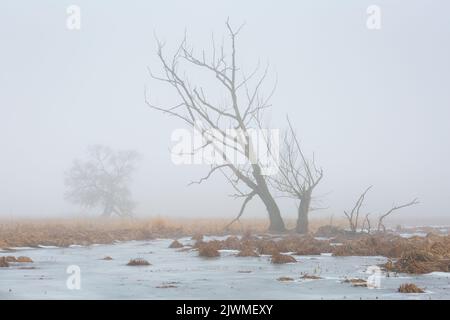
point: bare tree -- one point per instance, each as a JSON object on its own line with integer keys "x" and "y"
{"x": 367, "y": 225}
{"x": 298, "y": 176}
{"x": 102, "y": 180}
{"x": 353, "y": 215}
{"x": 380, "y": 226}
{"x": 241, "y": 109}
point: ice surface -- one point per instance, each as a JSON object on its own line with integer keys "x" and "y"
{"x": 176, "y": 274}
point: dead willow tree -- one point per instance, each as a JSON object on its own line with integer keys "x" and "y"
{"x": 354, "y": 215}
{"x": 297, "y": 177}
{"x": 240, "y": 110}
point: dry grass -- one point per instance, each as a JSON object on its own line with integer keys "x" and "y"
{"x": 392, "y": 246}
{"x": 310, "y": 277}
{"x": 410, "y": 288}
{"x": 247, "y": 252}
{"x": 415, "y": 255}
{"x": 24, "y": 259}
{"x": 285, "y": 279}
{"x": 167, "y": 285}
{"x": 138, "y": 262}
{"x": 197, "y": 237}
{"x": 329, "y": 231}
{"x": 269, "y": 245}
{"x": 176, "y": 244}
{"x": 3, "y": 262}
{"x": 407, "y": 254}
{"x": 279, "y": 258}
{"x": 85, "y": 231}
{"x": 209, "y": 249}
{"x": 65, "y": 232}
{"x": 356, "y": 282}
{"x": 10, "y": 259}
{"x": 419, "y": 262}
{"x": 107, "y": 258}
{"x": 6, "y": 260}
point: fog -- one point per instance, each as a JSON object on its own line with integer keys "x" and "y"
{"x": 373, "y": 105}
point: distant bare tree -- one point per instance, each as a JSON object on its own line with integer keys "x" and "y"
{"x": 353, "y": 215}
{"x": 380, "y": 226}
{"x": 103, "y": 180}
{"x": 298, "y": 176}
{"x": 241, "y": 109}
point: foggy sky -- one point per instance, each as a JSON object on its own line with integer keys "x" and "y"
{"x": 373, "y": 105}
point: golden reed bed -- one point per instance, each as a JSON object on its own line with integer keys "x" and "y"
{"x": 85, "y": 231}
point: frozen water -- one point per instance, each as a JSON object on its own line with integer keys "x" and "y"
{"x": 176, "y": 274}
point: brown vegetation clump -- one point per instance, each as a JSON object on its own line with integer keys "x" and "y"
{"x": 279, "y": 258}
{"x": 285, "y": 279}
{"x": 308, "y": 245}
{"x": 267, "y": 247}
{"x": 386, "y": 245}
{"x": 166, "y": 286}
{"x": 248, "y": 235}
{"x": 418, "y": 262}
{"x": 310, "y": 277}
{"x": 410, "y": 288}
{"x": 107, "y": 258}
{"x": 169, "y": 284}
{"x": 232, "y": 243}
{"x": 3, "y": 262}
{"x": 176, "y": 244}
{"x": 392, "y": 246}
{"x": 209, "y": 249}
{"x": 247, "y": 252}
{"x": 365, "y": 246}
{"x": 356, "y": 282}
{"x": 197, "y": 237}
{"x": 329, "y": 231}
{"x": 138, "y": 262}
{"x": 24, "y": 259}
{"x": 10, "y": 259}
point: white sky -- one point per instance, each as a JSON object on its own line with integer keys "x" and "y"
{"x": 374, "y": 106}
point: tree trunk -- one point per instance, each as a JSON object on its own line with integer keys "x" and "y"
{"x": 302, "y": 226}
{"x": 276, "y": 221}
